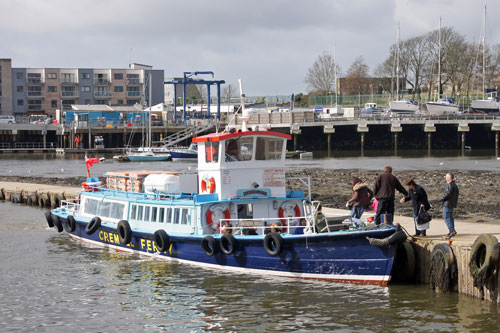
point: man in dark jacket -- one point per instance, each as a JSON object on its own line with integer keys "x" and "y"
{"x": 449, "y": 200}
{"x": 383, "y": 190}
{"x": 418, "y": 197}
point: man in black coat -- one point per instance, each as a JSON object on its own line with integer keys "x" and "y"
{"x": 384, "y": 189}
{"x": 449, "y": 200}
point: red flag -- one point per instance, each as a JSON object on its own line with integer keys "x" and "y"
{"x": 90, "y": 162}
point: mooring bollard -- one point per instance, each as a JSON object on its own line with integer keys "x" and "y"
{"x": 2, "y": 196}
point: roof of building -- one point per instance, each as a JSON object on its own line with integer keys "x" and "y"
{"x": 107, "y": 108}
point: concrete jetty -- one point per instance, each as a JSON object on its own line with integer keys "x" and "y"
{"x": 467, "y": 232}
{"x": 41, "y": 195}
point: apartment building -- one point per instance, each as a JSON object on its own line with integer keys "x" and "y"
{"x": 5, "y": 87}
{"x": 43, "y": 90}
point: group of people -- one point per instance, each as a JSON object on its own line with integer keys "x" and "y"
{"x": 384, "y": 190}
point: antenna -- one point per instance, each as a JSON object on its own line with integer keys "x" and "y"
{"x": 244, "y": 115}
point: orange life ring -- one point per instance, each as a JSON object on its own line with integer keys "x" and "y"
{"x": 208, "y": 186}
{"x": 209, "y": 216}
{"x": 281, "y": 212}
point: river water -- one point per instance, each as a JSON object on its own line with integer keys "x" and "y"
{"x": 71, "y": 165}
{"x": 51, "y": 283}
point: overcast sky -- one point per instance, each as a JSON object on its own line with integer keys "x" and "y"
{"x": 269, "y": 44}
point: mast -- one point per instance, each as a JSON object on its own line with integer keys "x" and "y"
{"x": 397, "y": 64}
{"x": 484, "y": 51}
{"x": 335, "y": 77}
{"x": 439, "y": 60}
{"x": 149, "y": 121}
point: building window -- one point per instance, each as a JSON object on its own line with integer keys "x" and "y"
{"x": 101, "y": 102}
{"x": 118, "y": 76}
{"x": 118, "y": 88}
{"x": 53, "y": 103}
{"x": 131, "y": 101}
{"x": 20, "y": 75}
{"x": 20, "y": 102}
{"x": 87, "y": 102}
{"x": 85, "y": 89}
{"x": 85, "y": 75}
{"x": 52, "y": 88}
{"x": 120, "y": 101}
{"x": 20, "y": 89}
{"x": 52, "y": 76}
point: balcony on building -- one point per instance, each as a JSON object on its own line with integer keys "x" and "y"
{"x": 102, "y": 94}
{"x": 134, "y": 94}
{"x": 36, "y": 107}
{"x": 69, "y": 94}
{"x": 101, "y": 79}
{"x": 35, "y": 94}
{"x": 68, "y": 80}
{"x": 35, "y": 80}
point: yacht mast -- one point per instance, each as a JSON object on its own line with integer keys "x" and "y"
{"x": 484, "y": 51}
{"x": 335, "y": 77}
{"x": 397, "y": 64}
{"x": 439, "y": 60}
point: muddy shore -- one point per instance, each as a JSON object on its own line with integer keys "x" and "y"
{"x": 479, "y": 190}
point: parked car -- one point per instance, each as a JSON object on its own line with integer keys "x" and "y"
{"x": 7, "y": 120}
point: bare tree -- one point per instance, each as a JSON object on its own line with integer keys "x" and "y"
{"x": 320, "y": 76}
{"x": 357, "y": 78}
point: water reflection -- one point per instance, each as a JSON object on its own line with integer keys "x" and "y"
{"x": 53, "y": 283}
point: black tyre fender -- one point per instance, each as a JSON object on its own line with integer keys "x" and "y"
{"x": 443, "y": 268}
{"x": 403, "y": 269}
{"x": 124, "y": 232}
{"x": 71, "y": 222}
{"x": 484, "y": 258}
{"x": 228, "y": 244}
{"x": 273, "y": 244}
{"x": 48, "y": 217}
{"x": 209, "y": 245}
{"x": 93, "y": 225}
{"x": 57, "y": 223}
{"x": 162, "y": 240}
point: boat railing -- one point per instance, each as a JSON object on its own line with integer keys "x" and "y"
{"x": 69, "y": 206}
{"x": 251, "y": 226}
{"x": 306, "y": 181}
{"x": 139, "y": 195}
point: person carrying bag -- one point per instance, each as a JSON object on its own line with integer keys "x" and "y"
{"x": 421, "y": 205}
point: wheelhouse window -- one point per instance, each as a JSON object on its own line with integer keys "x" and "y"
{"x": 212, "y": 152}
{"x": 154, "y": 214}
{"x": 176, "y": 216}
{"x": 91, "y": 206}
{"x": 269, "y": 149}
{"x": 169, "y": 215}
{"x": 133, "y": 212}
{"x": 239, "y": 149}
{"x": 146, "y": 213}
{"x": 140, "y": 210}
{"x": 161, "y": 215}
{"x": 185, "y": 217}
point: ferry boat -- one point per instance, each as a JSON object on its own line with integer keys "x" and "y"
{"x": 233, "y": 214}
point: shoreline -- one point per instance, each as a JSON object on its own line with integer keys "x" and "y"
{"x": 479, "y": 190}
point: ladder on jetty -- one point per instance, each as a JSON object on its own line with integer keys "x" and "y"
{"x": 185, "y": 134}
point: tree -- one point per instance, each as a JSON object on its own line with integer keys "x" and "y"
{"x": 357, "y": 78}
{"x": 320, "y": 76}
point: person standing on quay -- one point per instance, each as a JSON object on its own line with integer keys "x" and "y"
{"x": 361, "y": 198}
{"x": 449, "y": 200}
{"x": 418, "y": 197}
{"x": 383, "y": 189}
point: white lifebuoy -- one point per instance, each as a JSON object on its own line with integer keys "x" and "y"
{"x": 288, "y": 209}
{"x": 208, "y": 185}
{"x": 216, "y": 213}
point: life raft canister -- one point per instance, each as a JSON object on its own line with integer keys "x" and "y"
{"x": 287, "y": 209}
{"x": 215, "y": 214}
{"x": 208, "y": 185}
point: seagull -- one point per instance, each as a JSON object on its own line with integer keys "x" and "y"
{"x": 441, "y": 163}
{"x": 29, "y": 171}
{"x": 62, "y": 170}
{"x": 10, "y": 171}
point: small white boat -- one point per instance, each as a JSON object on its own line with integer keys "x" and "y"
{"x": 371, "y": 109}
{"x": 406, "y": 105}
{"x": 490, "y": 104}
{"x": 442, "y": 106}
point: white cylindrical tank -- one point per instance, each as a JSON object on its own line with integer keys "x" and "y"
{"x": 162, "y": 183}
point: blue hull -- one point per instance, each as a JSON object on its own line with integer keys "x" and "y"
{"x": 338, "y": 256}
{"x": 149, "y": 158}
{"x": 177, "y": 155}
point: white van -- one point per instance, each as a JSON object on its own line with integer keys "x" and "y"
{"x": 7, "y": 120}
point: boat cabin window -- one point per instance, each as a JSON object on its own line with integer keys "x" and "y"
{"x": 146, "y": 213}
{"x": 169, "y": 215}
{"x": 269, "y": 149}
{"x": 154, "y": 214}
{"x": 239, "y": 149}
{"x": 176, "y": 216}
{"x": 140, "y": 209}
{"x": 91, "y": 206}
{"x": 116, "y": 211}
{"x": 245, "y": 211}
{"x": 212, "y": 152}
{"x": 104, "y": 208}
{"x": 161, "y": 216}
{"x": 133, "y": 212}
{"x": 185, "y": 217}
